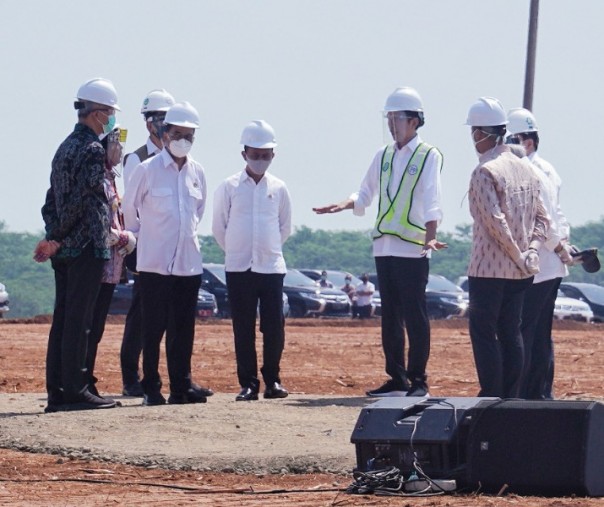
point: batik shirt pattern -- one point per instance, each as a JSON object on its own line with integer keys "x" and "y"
{"x": 76, "y": 211}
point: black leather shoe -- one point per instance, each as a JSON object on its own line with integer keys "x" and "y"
{"x": 153, "y": 398}
{"x": 202, "y": 391}
{"x": 190, "y": 396}
{"x": 83, "y": 401}
{"x": 247, "y": 394}
{"x": 55, "y": 400}
{"x": 135, "y": 390}
{"x": 390, "y": 388}
{"x": 275, "y": 390}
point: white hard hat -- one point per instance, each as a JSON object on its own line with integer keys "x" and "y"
{"x": 183, "y": 114}
{"x": 521, "y": 120}
{"x": 157, "y": 100}
{"x": 258, "y": 134}
{"x": 404, "y": 98}
{"x": 100, "y": 91}
{"x": 486, "y": 112}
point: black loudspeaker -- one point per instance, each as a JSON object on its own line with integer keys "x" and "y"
{"x": 396, "y": 431}
{"x": 536, "y": 447}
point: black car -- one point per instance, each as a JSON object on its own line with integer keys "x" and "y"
{"x": 213, "y": 280}
{"x": 444, "y": 299}
{"x": 307, "y": 299}
{"x": 591, "y": 293}
{"x": 122, "y": 297}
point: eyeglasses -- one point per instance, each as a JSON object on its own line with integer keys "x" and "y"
{"x": 396, "y": 115}
{"x": 107, "y": 110}
{"x": 177, "y": 136}
{"x": 513, "y": 140}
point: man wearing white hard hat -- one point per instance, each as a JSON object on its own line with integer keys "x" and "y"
{"x": 163, "y": 205}
{"x": 76, "y": 217}
{"x": 406, "y": 176}
{"x": 510, "y": 224}
{"x": 252, "y": 220}
{"x": 554, "y": 256}
{"x": 155, "y": 105}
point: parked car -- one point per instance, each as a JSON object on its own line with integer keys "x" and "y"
{"x": 590, "y": 293}
{"x": 307, "y": 299}
{"x": 213, "y": 280}
{"x": 444, "y": 299}
{"x": 338, "y": 278}
{"x": 572, "y": 309}
{"x": 3, "y": 300}
{"x": 122, "y": 297}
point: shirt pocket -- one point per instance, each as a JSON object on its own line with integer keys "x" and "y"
{"x": 269, "y": 205}
{"x": 195, "y": 197}
{"x": 161, "y": 198}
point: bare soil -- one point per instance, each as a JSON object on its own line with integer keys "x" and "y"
{"x": 271, "y": 452}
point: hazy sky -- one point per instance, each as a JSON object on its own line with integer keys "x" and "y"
{"x": 319, "y": 71}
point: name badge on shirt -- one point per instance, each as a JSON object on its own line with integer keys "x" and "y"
{"x": 412, "y": 169}
{"x": 386, "y": 166}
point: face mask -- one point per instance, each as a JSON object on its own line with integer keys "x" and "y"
{"x": 110, "y": 125}
{"x": 180, "y": 148}
{"x": 478, "y": 154}
{"x": 258, "y": 167}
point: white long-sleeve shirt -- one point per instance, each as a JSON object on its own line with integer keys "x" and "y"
{"x": 550, "y": 265}
{"x": 251, "y": 222}
{"x": 170, "y": 204}
{"x": 132, "y": 161}
{"x": 426, "y": 197}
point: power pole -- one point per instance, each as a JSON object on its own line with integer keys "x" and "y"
{"x": 531, "y": 50}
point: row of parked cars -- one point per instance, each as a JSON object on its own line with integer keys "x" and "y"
{"x": 304, "y": 297}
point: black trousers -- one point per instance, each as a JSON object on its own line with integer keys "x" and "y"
{"x": 495, "y": 314}
{"x": 246, "y": 291}
{"x": 537, "y": 317}
{"x": 403, "y": 291}
{"x": 77, "y": 282}
{"x": 99, "y": 317}
{"x": 168, "y": 305}
{"x": 132, "y": 341}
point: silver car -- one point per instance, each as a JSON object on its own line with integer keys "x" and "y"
{"x": 3, "y": 300}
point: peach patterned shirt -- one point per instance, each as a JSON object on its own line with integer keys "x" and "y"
{"x": 508, "y": 214}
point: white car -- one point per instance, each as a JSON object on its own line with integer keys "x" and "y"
{"x": 3, "y": 300}
{"x": 572, "y": 309}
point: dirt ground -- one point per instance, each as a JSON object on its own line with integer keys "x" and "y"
{"x": 332, "y": 359}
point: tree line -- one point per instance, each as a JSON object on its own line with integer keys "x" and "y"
{"x": 31, "y": 288}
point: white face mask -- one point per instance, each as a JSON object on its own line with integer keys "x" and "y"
{"x": 478, "y": 154}
{"x": 180, "y": 148}
{"x": 258, "y": 167}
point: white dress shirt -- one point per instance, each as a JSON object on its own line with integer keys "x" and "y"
{"x": 364, "y": 300}
{"x": 251, "y": 222}
{"x": 170, "y": 204}
{"x": 426, "y": 197}
{"x": 132, "y": 161}
{"x": 550, "y": 265}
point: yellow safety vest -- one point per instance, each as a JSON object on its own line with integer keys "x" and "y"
{"x": 393, "y": 213}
